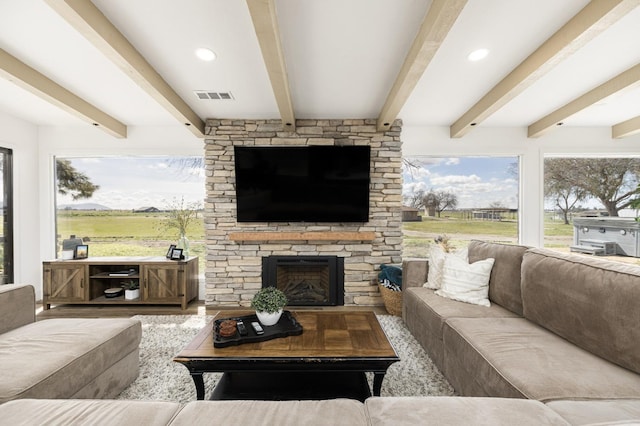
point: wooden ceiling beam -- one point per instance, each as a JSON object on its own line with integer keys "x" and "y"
{"x": 434, "y": 28}
{"x": 87, "y": 19}
{"x": 265, "y": 23}
{"x": 593, "y": 19}
{"x": 623, "y": 81}
{"x": 626, "y": 128}
{"x": 33, "y": 81}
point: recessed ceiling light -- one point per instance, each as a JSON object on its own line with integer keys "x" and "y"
{"x": 477, "y": 55}
{"x": 205, "y": 54}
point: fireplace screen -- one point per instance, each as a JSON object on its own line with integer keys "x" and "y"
{"x": 306, "y": 280}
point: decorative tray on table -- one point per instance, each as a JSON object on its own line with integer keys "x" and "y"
{"x": 287, "y": 325}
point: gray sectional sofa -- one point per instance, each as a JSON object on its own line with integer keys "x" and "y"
{"x": 374, "y": 411}
{"x": 62, "y": 358}
{"x": 559, "y": 345}
{"x": 561, "y": 329}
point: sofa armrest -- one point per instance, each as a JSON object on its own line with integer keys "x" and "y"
{"x": 414, "y": 272}
{"x": 17, "y": 306}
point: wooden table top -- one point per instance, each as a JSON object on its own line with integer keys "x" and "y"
{"x": 326, "y": 334}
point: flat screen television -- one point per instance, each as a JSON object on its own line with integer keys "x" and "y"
{"x": 302, "y": 183}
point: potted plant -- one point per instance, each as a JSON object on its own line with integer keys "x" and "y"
{"x": 268, "y": 303}
{"x": 131, "y": 289}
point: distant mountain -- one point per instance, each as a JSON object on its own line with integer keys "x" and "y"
{"x": 83, "y": 206}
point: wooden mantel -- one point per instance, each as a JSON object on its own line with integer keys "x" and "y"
{"x": 303, "y": 236}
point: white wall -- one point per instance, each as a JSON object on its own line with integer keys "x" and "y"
{"x": 22, "y": 138}
{"x": 435, "y": 141}
{"x": 88, "y": 141}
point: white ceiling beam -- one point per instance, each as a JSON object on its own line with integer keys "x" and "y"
{"x": 87, "y": 19}
{"x": 626, "y": 128}
{"x": 265, "y": 23}
{"x": 623, "y": 81}
{"x": 436, "y": 25}
{"x": 33, "y": 81}
{"x": 593, "y": 19}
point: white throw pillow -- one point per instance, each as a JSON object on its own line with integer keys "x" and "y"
{"x": 466, "y": 282}
{"x": 436, "y": 262}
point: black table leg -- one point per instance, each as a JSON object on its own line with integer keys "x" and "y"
{"x": 198, "y": 380}
{"x": 378, "y": 377}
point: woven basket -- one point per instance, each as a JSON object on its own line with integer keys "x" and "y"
{"x": 392, "y": 300}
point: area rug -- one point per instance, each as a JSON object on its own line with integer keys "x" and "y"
{"x": 163, "y": 336}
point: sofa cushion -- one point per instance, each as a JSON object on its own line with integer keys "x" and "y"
{"x": 426, "y": 313}
{"x": 459, "y": 411}
{"x": 466, "y": 282}
{"x": 513, "y": 357}
{"x": 414, "y": 272}
{"x": 504, "y": 284}
{"x": 437, "y": 257}
{"x": 590, "y": 302}
{"x": 602, "y": 412}
{"x": 17, "y": 306}
{"x": 56, "y": 358}
{"x": 87, "y": 412}
{"x": 282, "y": 413}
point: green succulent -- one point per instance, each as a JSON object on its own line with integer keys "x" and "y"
{"x": 130, "y": 285}
{"x": 269, "y": 299}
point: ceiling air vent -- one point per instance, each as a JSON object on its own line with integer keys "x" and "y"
{"x": 216, "y": 96}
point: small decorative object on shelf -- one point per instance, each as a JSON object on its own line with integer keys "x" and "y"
{"x": 81, "y": 251}
{"x": 443, "y": 241}
{"x": 131, "y": 289}
{"x": 269, "y": 303}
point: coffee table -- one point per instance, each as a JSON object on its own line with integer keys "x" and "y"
{"x": 328, "y": 360}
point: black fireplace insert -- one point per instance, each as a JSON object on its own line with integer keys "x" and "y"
{"x": 306, "y": 280}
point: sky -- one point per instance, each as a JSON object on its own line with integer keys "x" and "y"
{"x": 133, "y": 182}
{"x": 477, "y": 182}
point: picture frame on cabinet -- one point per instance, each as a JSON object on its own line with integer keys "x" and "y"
{"x": 176, "y": 254}
{"x": 81, "y": 251}
{"x": 170, "y": 251}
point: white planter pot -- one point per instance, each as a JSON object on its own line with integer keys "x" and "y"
{"x": 132, "y": 294}
{"x": 268, "y": 319}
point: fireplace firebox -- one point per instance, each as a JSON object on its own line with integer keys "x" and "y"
{"x": 306, "y": 280}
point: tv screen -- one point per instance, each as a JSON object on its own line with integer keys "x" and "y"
{"x": 302, "y": 184}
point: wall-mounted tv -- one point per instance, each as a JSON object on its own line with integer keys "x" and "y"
{"x": 302, "y": 183}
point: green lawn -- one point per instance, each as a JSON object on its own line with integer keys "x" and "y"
{"x": 124, "y": 233}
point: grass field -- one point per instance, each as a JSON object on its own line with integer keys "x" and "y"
{"x": 419, "y": 235}
{"x": 124, "y": 233}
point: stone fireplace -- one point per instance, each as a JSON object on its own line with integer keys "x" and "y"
{"x": 234, "y": 270}
{"x": 306, "y": 280}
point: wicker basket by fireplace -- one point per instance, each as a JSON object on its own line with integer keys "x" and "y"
{"x": 392, "y": 300}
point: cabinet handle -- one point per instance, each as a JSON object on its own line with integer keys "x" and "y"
{"x": 81, "y": 282}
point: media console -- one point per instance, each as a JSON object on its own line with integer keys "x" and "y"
{"x": 84, "y": 281}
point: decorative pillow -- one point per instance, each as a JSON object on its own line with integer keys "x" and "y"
{"x": 436, "y": 262}
{"x": 466, "y": 282}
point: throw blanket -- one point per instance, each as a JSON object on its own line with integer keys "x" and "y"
{"x": 392, "y": 274}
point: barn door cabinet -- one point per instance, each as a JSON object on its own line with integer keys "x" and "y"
{"x": 161, "y": 281}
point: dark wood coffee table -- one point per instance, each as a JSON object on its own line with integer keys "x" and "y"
{"x": 328, "y": 360}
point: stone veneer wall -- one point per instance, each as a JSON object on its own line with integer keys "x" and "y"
{"x": 233, "y": 268}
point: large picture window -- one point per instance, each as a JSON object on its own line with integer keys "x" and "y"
{"x": 591, "y": 207}
{"x": 461, "y": 198}
{"x": 130, "y": 206}
{"x": 6, "y": 225}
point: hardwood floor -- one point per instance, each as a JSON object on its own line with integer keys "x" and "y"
{"x": 194, "y": 308}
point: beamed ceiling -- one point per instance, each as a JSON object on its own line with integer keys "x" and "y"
{"x": 120, "y": 63}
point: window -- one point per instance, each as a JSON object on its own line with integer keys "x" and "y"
{"x": 6, "y": 233}
{"x": 462, "y": 198}
{"x": 130, "y": 206}
{"x": 589, "y": 206}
